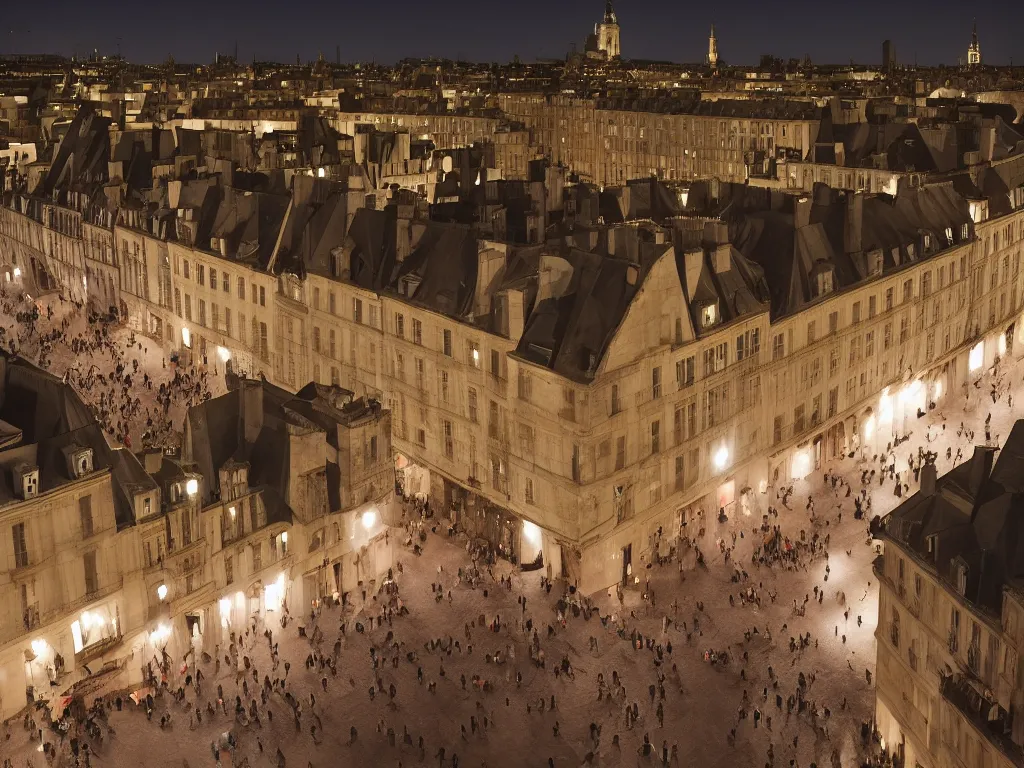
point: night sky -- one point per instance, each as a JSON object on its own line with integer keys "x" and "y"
{"x": 936, "y": 31}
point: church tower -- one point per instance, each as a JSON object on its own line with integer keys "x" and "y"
{"x": 974, "y": 52}
{"x": 607, "y": 33}
{"x": 713, "y": 49}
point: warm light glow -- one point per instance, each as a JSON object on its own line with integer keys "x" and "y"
{"x": 976, "y": 357}
{"x": 369, "y": 519}
{"x": 938, "y": 389}
{"x": 39, "y": 647}
{"x": 801, "y": 465}
{"x": 160, "y": 634}
{"x": 320, "y": 172}
{"x": 186, "y": 337}
{"x": 885, "y": 407}
{"x": 17, "y": 272}
{"x": 721, "y": 457}
{"x": 225, "y": 607}
{"x": 161, "y": 592}
{"x": 224, "y": 354}
{"x": 284, "y": 537}
{"x": 240, "y": 599}
{"x": 531, "y": 532}
{"x": 869, "y": 427}
{"x": 232, "y": 511}
{"x": 476, "y": 355}
{"x": 192, "y": 486}
{"x": 274, "y": 593}
{"x": 1001, "y": 344}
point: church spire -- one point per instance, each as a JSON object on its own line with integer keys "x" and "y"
{"x": 609, "y": 13}
{"x": 974, "y": 52}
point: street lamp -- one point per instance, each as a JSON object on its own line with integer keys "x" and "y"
{"x": 721, "y": 457}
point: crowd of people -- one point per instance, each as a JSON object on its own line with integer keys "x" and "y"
{"x": 458, "y": 658}
{"x": 137, "y": 405}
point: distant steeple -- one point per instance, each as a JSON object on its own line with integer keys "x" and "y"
{"x": 974, "y": 52}
{"x": 609, "y": 13}
{"x": 606, "y": 33}
{"x": 713, "y": 49}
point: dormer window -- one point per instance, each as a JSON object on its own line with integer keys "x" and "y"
{"x": 875, "y": 263}
{"x": 409, "y": 285}
{"x": 79, "y": 460}
{"x": 824, "y": 282}
{"x": 960, "y": 576}
{"x": 708, "y": 315}
{"x": 949, "y": 235}
{"x": 927, "y": 242}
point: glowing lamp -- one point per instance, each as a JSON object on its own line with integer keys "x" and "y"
{"x": 721, "y": 458}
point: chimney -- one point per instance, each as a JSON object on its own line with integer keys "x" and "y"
{"x": 722, "y": 258}
{"x": 801, "y": 212}
{"x": 854, "y": 223}
{"x": 514, "y": 315}
{"x": 251, "y": 403}
{"x": 153, "y": 460}
{"x": 981, "y": 468}
{"x": 929, "y": 476}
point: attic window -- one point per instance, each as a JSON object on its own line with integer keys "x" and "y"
{"x": 824, "y": 282}
{"x": 949, "y": 235}
{"x": 409, "y": 285}
{"x": 964, "y": 231}
{"x": 708, "y": 315}
{"x": 960, "y": 572}
{"x": 875, "y": 263}
{"x": 927, "y": 242}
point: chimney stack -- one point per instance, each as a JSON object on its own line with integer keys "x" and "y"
{"x": 854, "y": 223}
{"x": 801, "y": 212}
{"x": 929, "y": 476}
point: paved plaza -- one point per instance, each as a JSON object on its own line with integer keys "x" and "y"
{"x": 462, "y": 663}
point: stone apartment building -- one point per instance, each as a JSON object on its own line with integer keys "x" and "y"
{"x": 64, "y": 558}
{"x": 948, "y": 686}
{"x": 573, "y": 398}
{"x": 608, "y": 142}
{"x": 277, "y": 501}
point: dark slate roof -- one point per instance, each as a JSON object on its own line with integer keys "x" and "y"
{"x": 445, "y": 263}
{"x": 215, "y": 436}
{"x": 51, "y": 417}
{"x": 570, "y": 332}
{"x": 976, "y": 516}
{"x": 315, "y": 226}
{"x": 81, "y": 161}
{"x": 250, "y": 222}
{"x": 372, "y": 240}
{"x": 790, "y": 255}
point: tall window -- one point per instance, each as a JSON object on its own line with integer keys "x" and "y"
{"x": 92, "y": 583}
{"x": 20, "y": 545}
{"x": 85, "y": 515}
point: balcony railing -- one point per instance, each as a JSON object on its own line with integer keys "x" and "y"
{"x": 984, "y": 713}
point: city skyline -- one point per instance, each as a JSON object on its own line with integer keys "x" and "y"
{"x": 651, "y": 30}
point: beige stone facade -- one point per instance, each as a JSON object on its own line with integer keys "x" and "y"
{"x": 671, "y": 422}
{"x": 610, "y": 146}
